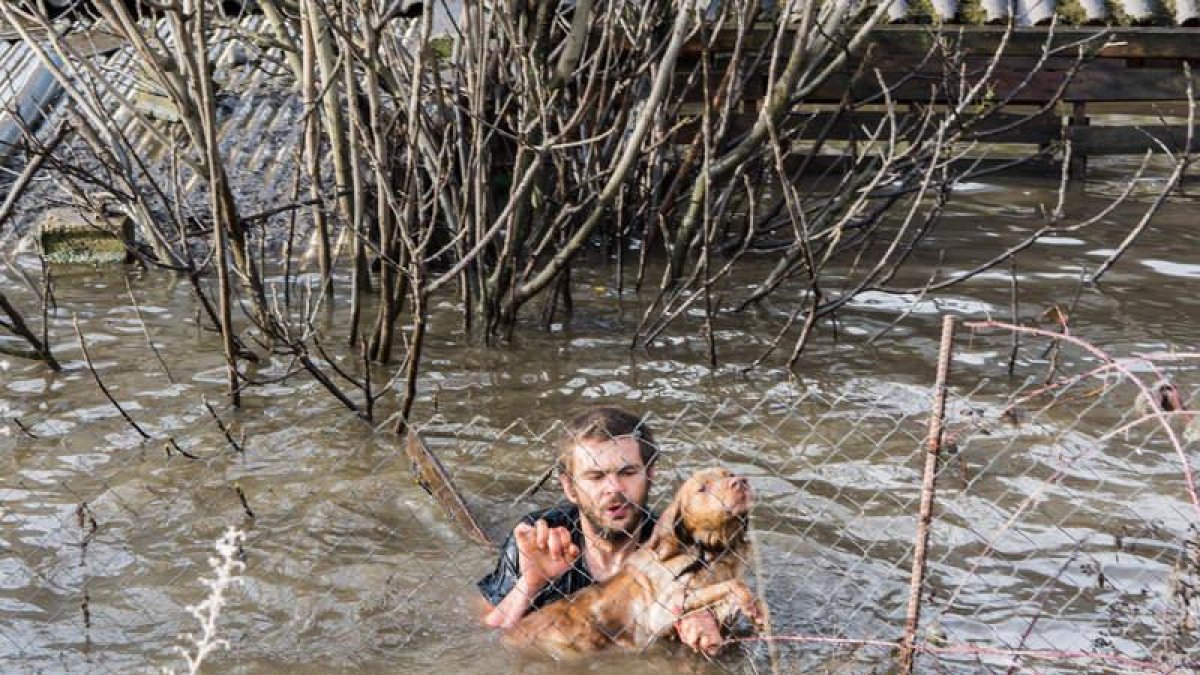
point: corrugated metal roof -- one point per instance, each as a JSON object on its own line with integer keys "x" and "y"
{"x": 26, "y": 89}
{"x": 1041, "y": 12}
{"x": 260, "y": 129}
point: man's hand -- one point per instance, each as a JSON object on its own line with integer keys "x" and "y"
{"x": 545, "y": 552}
{"x": 701, "y": 632}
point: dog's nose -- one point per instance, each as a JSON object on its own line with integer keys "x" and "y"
{"x": 740, "y": 483}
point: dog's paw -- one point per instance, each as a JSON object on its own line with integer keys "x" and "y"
{"x": 750, "y": 606}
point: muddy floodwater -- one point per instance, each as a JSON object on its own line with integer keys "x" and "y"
{"x": 351, "y": 567}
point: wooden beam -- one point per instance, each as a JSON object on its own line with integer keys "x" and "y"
{"x": 1038, "y": 130}
{"x": 1087, "y": 86}
{"x": 1047, "y": 128}
{"x": 1038, "y": 167}
{"x": 1125, "y": 42}
{"x": 90, "y": 41}
{"x": 432, "y": 476}
{"x": 1131, "y": 140}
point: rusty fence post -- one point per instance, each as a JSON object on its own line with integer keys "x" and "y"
{"x": 933, "y": 447}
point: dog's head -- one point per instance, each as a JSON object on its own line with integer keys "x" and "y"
{"x": 709, "y": 511}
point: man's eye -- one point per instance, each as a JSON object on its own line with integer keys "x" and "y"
{"x": 593, "y": 476}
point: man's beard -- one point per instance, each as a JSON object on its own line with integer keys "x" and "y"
{"x": 615, "y": 534}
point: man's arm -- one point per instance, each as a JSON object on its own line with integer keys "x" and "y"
{"x": 542, "y": 553}
{"x": 515, "y": 604}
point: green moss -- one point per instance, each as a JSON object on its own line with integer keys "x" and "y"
{"x": 972, "y": 12}
{"x": 82, "y": 248}
{"x": 441, "y": 48}
{"x": 1071, "y": 12}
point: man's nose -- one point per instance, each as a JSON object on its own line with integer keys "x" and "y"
{"x": 612, "y": 482}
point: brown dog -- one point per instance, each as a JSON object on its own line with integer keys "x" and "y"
{"x": 692, "y": 561}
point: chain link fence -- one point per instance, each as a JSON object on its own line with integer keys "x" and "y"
{"x": 1062, "y": 535}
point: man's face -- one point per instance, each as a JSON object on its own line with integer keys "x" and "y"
{"x": 610, "y": 484}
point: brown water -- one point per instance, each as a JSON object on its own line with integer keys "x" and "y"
{"x": 351, "y": 567}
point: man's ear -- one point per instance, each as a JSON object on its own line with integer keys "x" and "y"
{"x": 568, "y": 487}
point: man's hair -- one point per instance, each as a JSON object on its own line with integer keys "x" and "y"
{"x": 605, "y": 423}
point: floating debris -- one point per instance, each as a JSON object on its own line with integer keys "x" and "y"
{"x": 70, "y": 237}
{"x": 432, "y": 476}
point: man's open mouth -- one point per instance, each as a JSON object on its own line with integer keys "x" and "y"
{"x": 618, "y": 510}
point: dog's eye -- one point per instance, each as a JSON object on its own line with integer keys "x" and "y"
{"x": 703, "y": 488}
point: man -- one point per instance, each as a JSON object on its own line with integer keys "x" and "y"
{"x": 605, "y": 467}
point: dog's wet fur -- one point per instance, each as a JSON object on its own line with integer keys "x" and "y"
{"x": 692, "y": 561}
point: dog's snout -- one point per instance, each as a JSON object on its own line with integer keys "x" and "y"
{"x": 740, "y": 483}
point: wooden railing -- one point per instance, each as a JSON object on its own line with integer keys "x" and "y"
{"x": 1125, "y": 71}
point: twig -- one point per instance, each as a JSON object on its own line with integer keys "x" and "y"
{"x": 1180, "y": 168}
{"x": 224, "y": 429}
{"x": 913, "y": 305}
{"x": 16, "y": 324}
{"x": 241, "y": 495}
{"x": 18, "y": 187}
{"x": 1145, "y": 392}
{"x": 1044, "y": 598}
{"x": 535, "y": 486}
{"x": 24, "y": 429}
{"x": 1015, "y": 310}
{"x": 146, "y": 332}
{"x": 108, "y": 395}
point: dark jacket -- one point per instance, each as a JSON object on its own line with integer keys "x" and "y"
{"x": 501, "y": 581}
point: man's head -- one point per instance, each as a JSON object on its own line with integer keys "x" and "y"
{"x": 606, "y": 464}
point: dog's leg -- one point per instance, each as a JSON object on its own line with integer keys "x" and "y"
{"x": 727, "y": 599}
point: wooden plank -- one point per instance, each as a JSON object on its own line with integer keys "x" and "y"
{"x": 95, "y": 42}
{"x": 1153, "y": 108}
{"x": 857, "y": 125}
{"x": 1039, "y": 167}
{"x": 1125, "y": 42}
{"x": 1128, "y": 140}
{"x": 977, "y": 65}
{"x": 433, "y": 477}
{"x": 1101, "y": 85}
{"x": 754, "y": 89}
{"x": 8, "y": 33}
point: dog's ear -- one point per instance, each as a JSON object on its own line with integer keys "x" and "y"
{"x": 665, "y": 541}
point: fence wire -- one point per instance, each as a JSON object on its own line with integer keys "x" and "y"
{"x": 1063, "y": 536}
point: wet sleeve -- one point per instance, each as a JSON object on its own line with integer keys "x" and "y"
{"x": 502, "y": 579}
